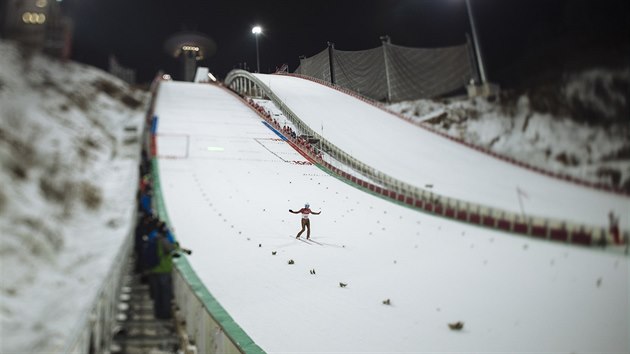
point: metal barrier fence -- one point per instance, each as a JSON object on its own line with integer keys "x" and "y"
{"x": 93, "y": 332}
{"x": 388, "y": 187}
{"x": 394, "y": 73}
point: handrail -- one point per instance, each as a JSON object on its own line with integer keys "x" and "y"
{"x": 418, "y": 198}
{"x": 96, "y": 323}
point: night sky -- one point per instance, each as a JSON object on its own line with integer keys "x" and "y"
{"x": 518, "y": 37}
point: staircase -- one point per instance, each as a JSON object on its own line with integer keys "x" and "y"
{"x": 138, "y": 331}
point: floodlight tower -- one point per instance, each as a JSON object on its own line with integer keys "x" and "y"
{"x": 486, "y": 88}
{"x": 473, "y": 27}
{"x": 257, "y": 30}
{"x": 189, "y": 47}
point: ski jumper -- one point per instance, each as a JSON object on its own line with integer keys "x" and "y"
{"x": 306, "y": 223}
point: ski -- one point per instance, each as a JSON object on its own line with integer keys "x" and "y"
{"x": 327, "y": 244}
{"x": 314, "y": 242}
{"x": 299, "y": 239}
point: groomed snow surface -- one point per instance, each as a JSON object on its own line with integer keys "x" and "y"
{"x": 228, "y": 183}
{"x": 516, "y": 127}
{"x": 418, "y": 157}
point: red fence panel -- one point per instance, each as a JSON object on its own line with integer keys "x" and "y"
{"x": 504, "y": 224}
{"x": 559, "y": 234}
{"x": 488, "y": 221}
{"x": 539, "y": 231}
{"x": 521, "y": 228}
{"x": 581, "y": 238}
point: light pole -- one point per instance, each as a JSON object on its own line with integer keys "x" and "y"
{"x": 256, "y": 31}
{"x": 482, "y": 70}
{"x": 486, "y": 88}
{"x": 386, "y": 40}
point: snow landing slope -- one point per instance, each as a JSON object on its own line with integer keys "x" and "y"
{"x": 419, "y": 157}
{"x": 228, "y": 183}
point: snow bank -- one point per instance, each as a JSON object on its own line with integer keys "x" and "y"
{"x": 69, "y": 146}
{"x": 560, "y": 138}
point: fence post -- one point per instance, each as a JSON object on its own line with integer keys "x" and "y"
{"x": 472, "y": 60}
{"x": 331, "y": 49}
{"x": 386, "y": 41}
{"x": 302, "y": 64}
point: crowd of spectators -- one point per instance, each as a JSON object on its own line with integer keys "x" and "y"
{"x": 300, "y": 140}
{"x": 154, "y": 247}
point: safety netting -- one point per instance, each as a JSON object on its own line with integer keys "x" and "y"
{"x": 395, "y": 73}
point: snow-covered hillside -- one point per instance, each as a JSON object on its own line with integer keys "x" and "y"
{"x": 579, "y": 127}
{"x": 69, "y": 148}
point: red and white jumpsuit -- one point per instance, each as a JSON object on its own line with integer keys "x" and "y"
{"x": 306, "y": 223}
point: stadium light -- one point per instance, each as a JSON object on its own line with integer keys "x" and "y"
{"x": 257, "y": 30}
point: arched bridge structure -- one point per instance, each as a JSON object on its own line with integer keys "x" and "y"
{"x": 246, "y": 84}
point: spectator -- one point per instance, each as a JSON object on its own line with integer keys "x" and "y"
{"x": 146, "y": 199}
{"x": 161, "y": 225}
{"x": 145, "y": 163}
{"x": 160, "y": 279}
{"x": 145, "y": 184}
{"x": 144, "y": 227}
{"x": 614, "y": 228}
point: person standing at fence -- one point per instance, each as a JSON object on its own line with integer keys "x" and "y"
{"x": 145, "y": 226}
{"x": 160, "y": 278}
{"x": 306, "y": 223}
{"x": 614, "y": 228}
{"x": 146, "y": 202}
